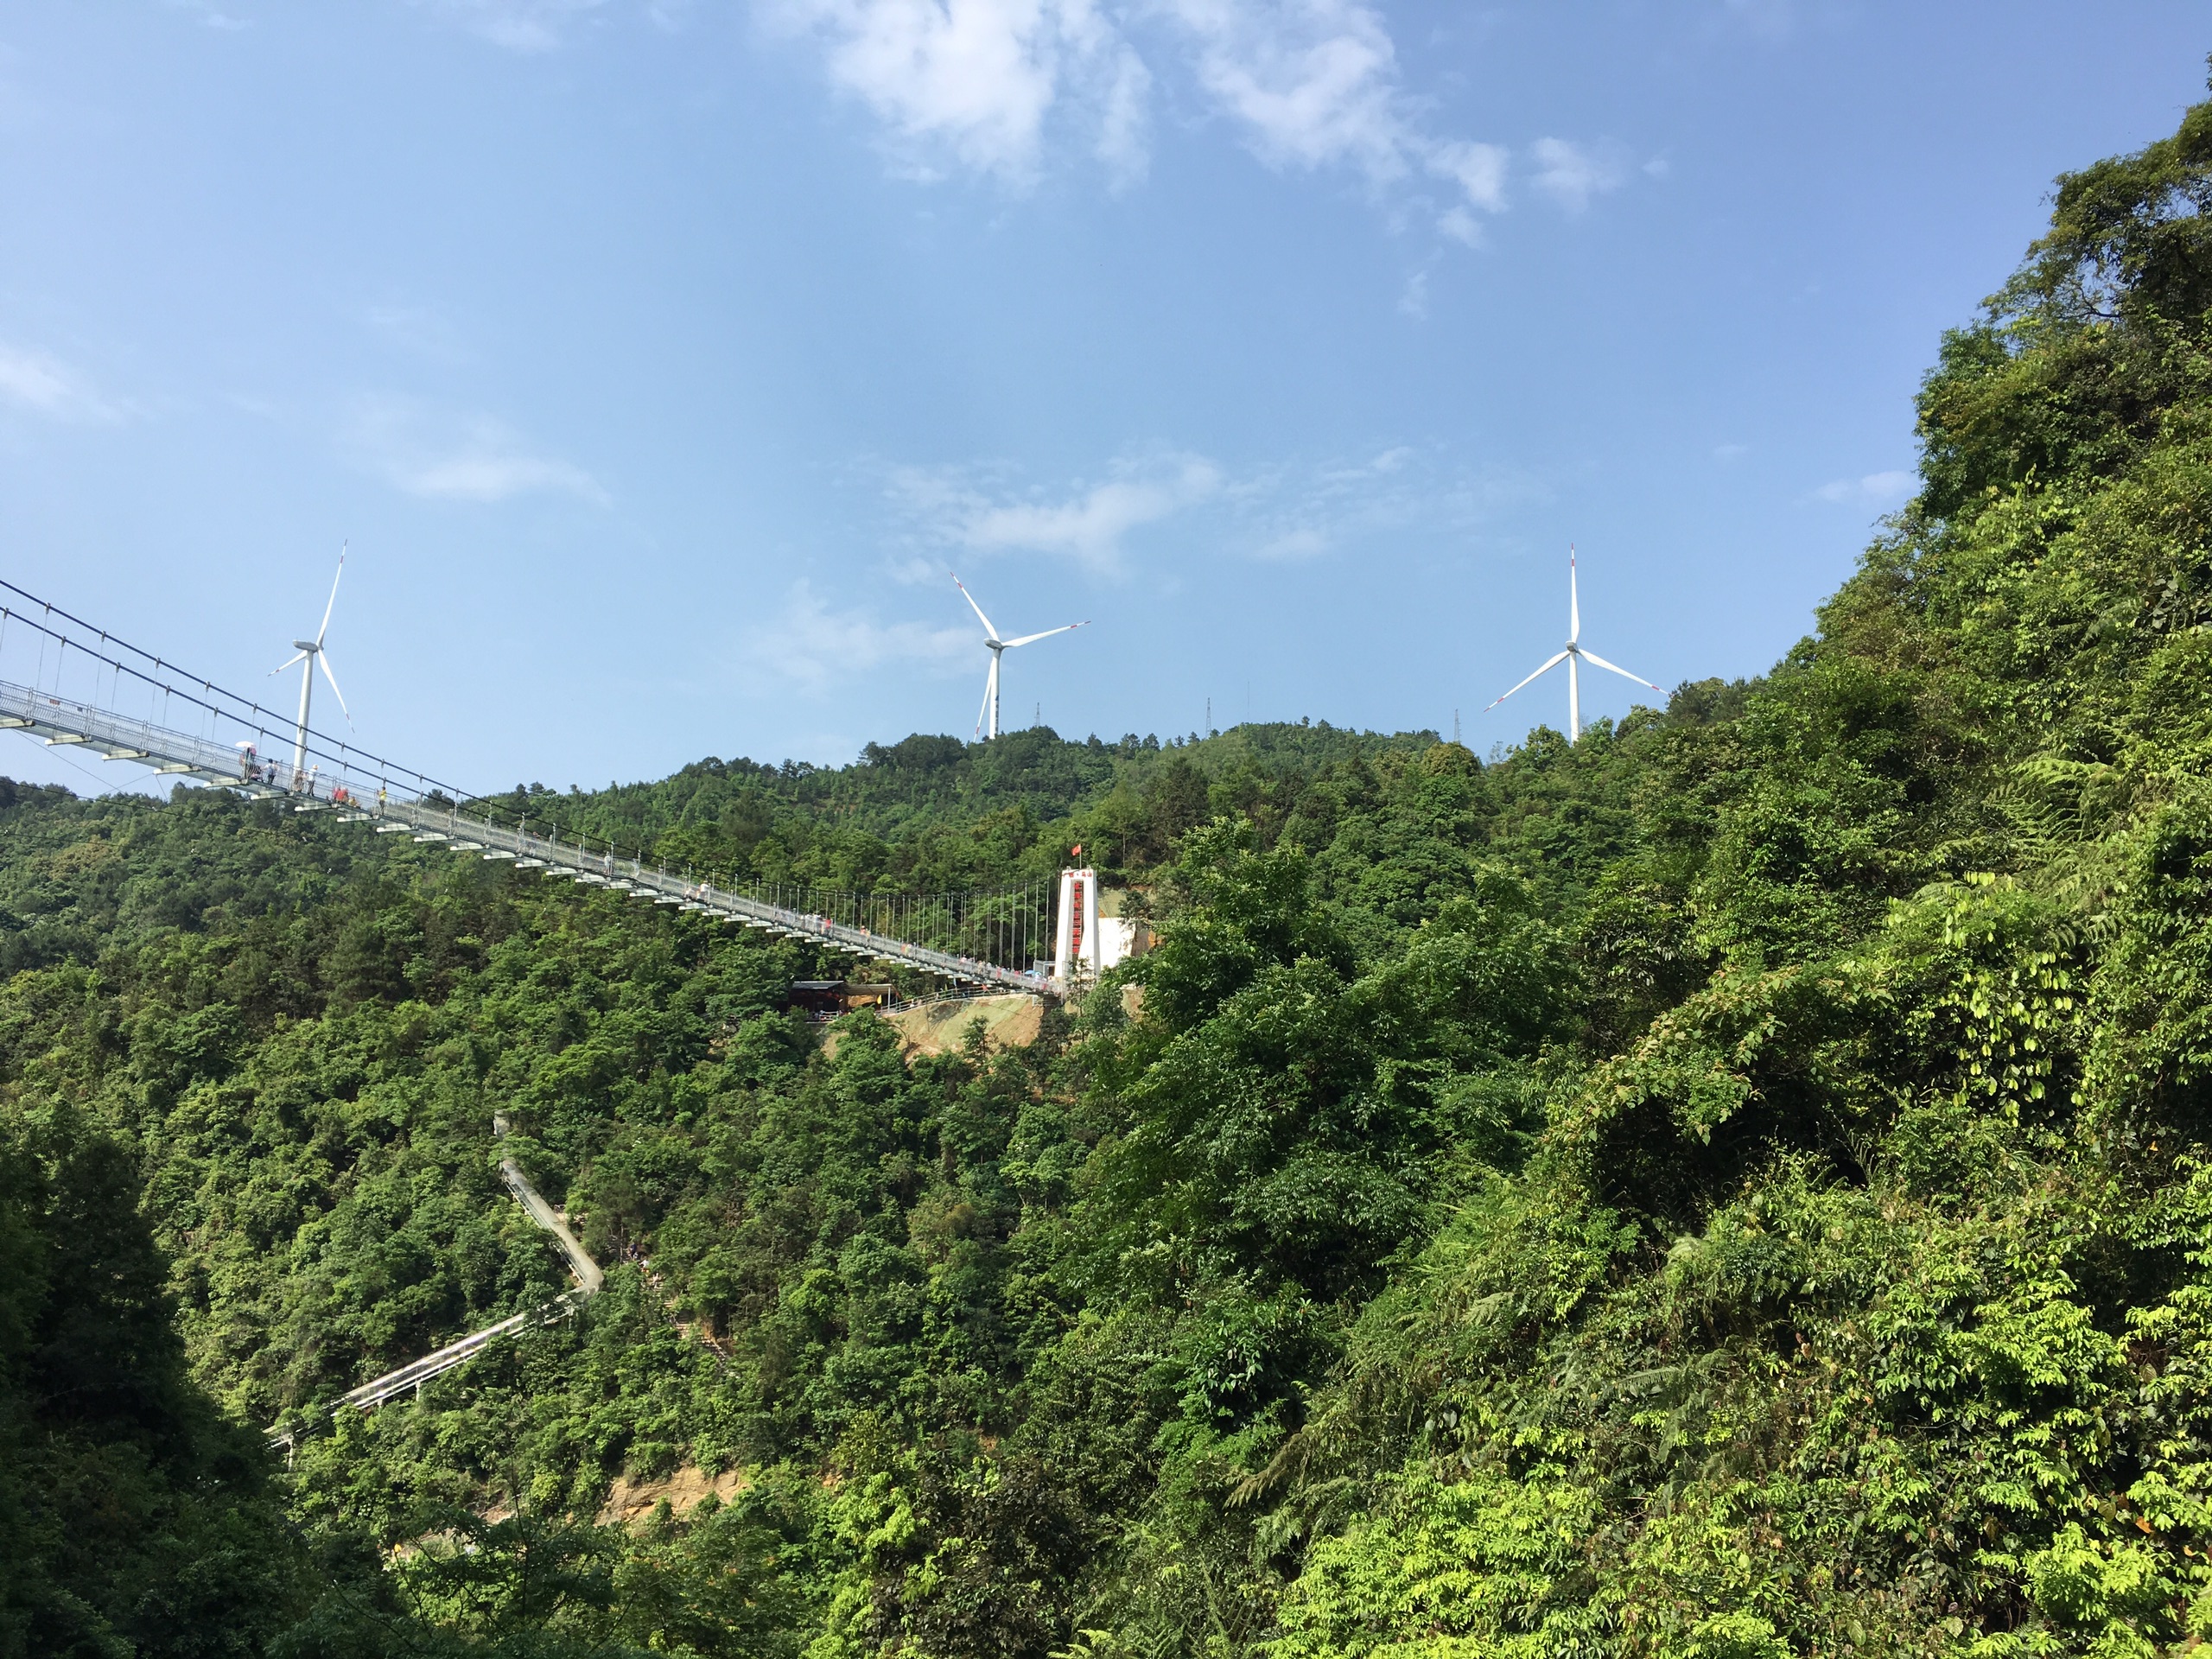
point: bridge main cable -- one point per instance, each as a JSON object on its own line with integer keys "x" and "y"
{"x": 361, "y": 797}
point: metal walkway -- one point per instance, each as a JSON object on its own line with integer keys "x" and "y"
{"x": 416, "y": 1373}
{"x": 361, "y": 797}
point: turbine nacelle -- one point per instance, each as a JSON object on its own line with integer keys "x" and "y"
{"x": 989, "y": 714}
{"x": 1573, "y": 655}
{"x": 310, "y": 653}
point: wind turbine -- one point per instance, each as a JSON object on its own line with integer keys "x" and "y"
{"x": 1573, "y": 655}
{"x": 312, "y": 654}
{"x": 989, "y": 712}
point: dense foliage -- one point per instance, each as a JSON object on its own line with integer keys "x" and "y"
{"x": 1736, "y": 1185}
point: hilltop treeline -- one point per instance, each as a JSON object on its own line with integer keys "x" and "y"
{"x": 934, "y": 815}
{"x": 1733, "y": 1186}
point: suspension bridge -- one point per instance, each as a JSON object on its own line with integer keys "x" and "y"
{"x": 81, "y": 678}
{"x": 84, "y": 677}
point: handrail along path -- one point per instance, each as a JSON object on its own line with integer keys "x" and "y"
{"x": 417, "y": 1372}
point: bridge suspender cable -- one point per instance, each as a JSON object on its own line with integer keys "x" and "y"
{"x": 359, "y": 787}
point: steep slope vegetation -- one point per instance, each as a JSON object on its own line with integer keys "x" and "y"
{"x": 1733, "y": 1186}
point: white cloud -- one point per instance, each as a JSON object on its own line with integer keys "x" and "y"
{"x": 1314, "y": 82}
{"x": 1087, "y": 525}
{"x": 45, "y": 386}
{"x": 518, "y": 25}
{"x": 1726, "y": 453}
{"x": 982, "y": 84}
{"x": 1479, "y": 169}
{"x": 1461, "y": 226}
{"x": 1874, "y": 490}
{"x": 1571, "y": 174}
{"x": 1399, "y": 492}
{"x": 1198, "y": 508}
{"x": 1412, "y": 299}
{"x": 459, "y": 458}
{"x": 1301, "y": 541}
{"x": 808, "y": 644}
{"x": 974, "y": 80}
{"x": 1314, "y": 85}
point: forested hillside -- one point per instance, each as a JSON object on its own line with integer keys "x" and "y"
{"x": 933, "y": 814}
{"x": 1737, "y": 1186}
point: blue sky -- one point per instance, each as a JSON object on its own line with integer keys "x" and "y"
{"x": 656, "y": 360}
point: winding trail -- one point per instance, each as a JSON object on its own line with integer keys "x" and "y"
{"x": 415, "y": 1373}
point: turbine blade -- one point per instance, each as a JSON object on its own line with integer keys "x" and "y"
{"x": 980, "y": 712}
{"x": 1026, "y": 638}
{"x": 972, "y": 604}
{"x": 323, "y": 658}
{"x": 287, "y": 663}
{"x": 332, "y": 606}
{"x": 1573, "y": 601}
{"x": 1538, "y": 674}
{"x": 1596, "y": 661}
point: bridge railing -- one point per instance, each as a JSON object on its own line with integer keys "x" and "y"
{"x": 64, "y": 722}
{"x": 529, "y": 850}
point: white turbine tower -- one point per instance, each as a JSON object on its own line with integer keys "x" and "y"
{"x": 312, "y": 654}
{"x": 989, "y": 714}
{"x": 1573, "y": 655}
